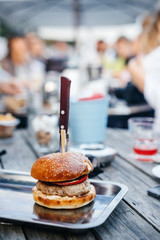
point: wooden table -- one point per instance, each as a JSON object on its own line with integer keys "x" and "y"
{"x": 136, "y": 217}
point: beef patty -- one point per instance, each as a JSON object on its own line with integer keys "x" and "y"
{"x": 70, "y": 191}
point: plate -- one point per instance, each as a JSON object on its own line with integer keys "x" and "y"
{"x": 103, "y": 154}
{"x": 17, "y": 205}
{"x": 156, "y": 171}
{"x": 10, "y": 123}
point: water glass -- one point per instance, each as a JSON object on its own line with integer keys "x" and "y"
{"x": 144, "y": 132}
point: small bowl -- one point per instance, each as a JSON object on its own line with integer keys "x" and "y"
{"x": 7, "y": 128}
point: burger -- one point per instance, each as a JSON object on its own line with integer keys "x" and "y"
{"x": 63, "y": 181}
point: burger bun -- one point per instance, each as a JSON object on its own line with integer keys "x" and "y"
{"x": 57, "y": 202}
{"x": 58, "y": 167}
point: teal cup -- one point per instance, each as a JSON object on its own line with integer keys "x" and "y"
{"x": 88, "y": 120}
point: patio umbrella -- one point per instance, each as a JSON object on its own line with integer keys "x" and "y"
{"x": 28, "y": 15}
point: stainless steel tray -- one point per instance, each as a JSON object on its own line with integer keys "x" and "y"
{"x": 17, "y": 205}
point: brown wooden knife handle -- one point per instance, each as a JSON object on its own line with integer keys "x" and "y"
{"x": 64, "y": 103}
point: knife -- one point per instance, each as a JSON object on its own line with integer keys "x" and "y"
{"x": 64, "y": 113}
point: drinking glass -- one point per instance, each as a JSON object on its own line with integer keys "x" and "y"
{"x": 145, "y": 133}
{"x": 44, "y": 131}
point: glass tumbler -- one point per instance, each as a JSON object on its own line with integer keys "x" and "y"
{"x": 145, "y": 133}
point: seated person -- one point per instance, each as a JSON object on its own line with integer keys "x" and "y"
{"x": 36, "y": 46}
{"x": 130, "y": 94}
{"x": 145, "y": 70}
{"x": 18, "y": 56}
{"x": 21, "y": 65}
{"x": 128, "y": 51}
{"x": 124, "y": 48}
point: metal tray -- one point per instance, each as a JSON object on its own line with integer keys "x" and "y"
{"x": 17, "y": 205}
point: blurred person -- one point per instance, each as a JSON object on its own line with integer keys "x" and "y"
{"x": 101, "y": 47}
{"x": 124, "y": 75}
{"x": 147, "y": 21}
{"x": 18, "y": 55}
{"x": 113, "y": 64}
{"x": 107, "y": 57}
{"x": 61, "y": 49}
{"x": 124, "y": 49}
{"x": 137, "y": 45}
{"x": 35, "y": 46}
{"x": 136, "y": 50}
{"x": 125, "y": 52}
{"x": 128, "y": 91}
{"x": 21, "y": 65}
{"x": 145, "y": 71}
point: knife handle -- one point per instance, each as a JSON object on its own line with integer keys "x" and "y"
{"x": 64, "y": 104}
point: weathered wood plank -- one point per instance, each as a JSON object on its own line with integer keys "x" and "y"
{"x": 121, "y": 140}
{"x": 49, "y": 234}
{"x": 138, "y": 183}
{"x": 125, "y": 224}
{"x": 11, "y": 232}
{"x": 19, "y": 156}
{"x": 39, "y": 234}
{"x": 87, "y": 235}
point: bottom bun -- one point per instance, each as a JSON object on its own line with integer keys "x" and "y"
{"x": 57, "y": 202}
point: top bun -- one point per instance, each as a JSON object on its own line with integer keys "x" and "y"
{"x": 58, "y": 167}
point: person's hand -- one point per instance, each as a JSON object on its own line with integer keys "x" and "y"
{"x": 124, "y": 77}
{"x": 10, "y": 88}
{"x": 137, "y": 73}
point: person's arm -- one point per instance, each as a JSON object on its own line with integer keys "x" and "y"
{"x": 10, "y": 87}
{"x": 137, "y": 72}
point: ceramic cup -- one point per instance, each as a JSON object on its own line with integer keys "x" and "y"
{"x": 88, "y": 120}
